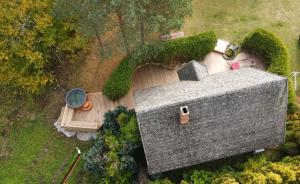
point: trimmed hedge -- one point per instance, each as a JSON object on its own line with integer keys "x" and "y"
{"x": 180, "y": 50}
{"x": 267, "y": 46}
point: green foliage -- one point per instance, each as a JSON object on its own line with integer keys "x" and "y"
{"x": 252, "y": 178}
{"x": 161, "y": 16}
{"x": 90, "y": 18}
{"x": 290, "y": 148}
{"x": 227, "y": 178}
{"x": 267, "y": 46}
{"x": 130, "y": 130}
{"x": 126, "y": 18}
{"x": 32, "y": 42}
{"x": 123, "y": 118}
{"x": 199, "y": 177}
{"x": 94, "y": 160}
{"x": 37, "y": 153}
{"x": 163, "y": 181}
{"x": 273, "y": 178}
{"x": 257, "y": 170}
{"x": 181, "y": 50}
{"x": 289, "y": 135}
{"x": 111, "y": 122}
{"x": 110, "y": 157}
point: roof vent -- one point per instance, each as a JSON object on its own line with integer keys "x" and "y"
{"x": 184, "y": 115}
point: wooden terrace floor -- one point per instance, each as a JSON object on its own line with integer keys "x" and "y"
{"x": 146, "y": 77}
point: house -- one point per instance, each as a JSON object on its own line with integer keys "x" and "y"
{"x": 207, "y": 117}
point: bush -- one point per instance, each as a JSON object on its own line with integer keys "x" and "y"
{"x": 290, "y": 148}
{"x": 163, "y": 181}
{"x": 199, "y": 177}
{"x": 111, "y": 122}
{"x": 273, "y": 178}
{"x": 267, "y": 46}
{"x": 94, "y": 160}
{"x": 165, "y": 53}
{"x": 256, "y": 170}
{"x": 110, "y": 157}
{"x": 130, "y": 131}
{"x": 289, "y": 135}
{"x": 123, "y": 118}
{"x": 252, "y": 178}
{"x": 225, "y": 179}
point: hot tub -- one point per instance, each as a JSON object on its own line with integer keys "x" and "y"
{"x": 75, "y": 98}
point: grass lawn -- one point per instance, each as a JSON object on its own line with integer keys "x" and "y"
{"x": 38, "y": 153}
{"x": 233, "y": 19}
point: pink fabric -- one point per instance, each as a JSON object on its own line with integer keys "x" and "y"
{"x": 235, "y": 66}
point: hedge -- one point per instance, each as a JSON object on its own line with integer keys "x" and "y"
{"x": 165, "y": 53}
{"x": 267, "y": 46}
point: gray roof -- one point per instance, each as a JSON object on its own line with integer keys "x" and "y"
{"x": 230, "y": 113}
{"x": 215, "y": 84}
{"x": 192, "y": 71}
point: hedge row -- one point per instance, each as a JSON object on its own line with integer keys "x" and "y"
{"x": 267, "y": 46}
{"x": 257, "y": 170}
{"x": 292, "y": 136}
{"x": 181, "y": 50}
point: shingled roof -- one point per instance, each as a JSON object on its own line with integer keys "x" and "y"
{"x": 229, "y": 113}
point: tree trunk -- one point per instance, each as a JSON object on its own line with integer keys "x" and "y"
{"x": 142, "y": 29}
{"x": 100, "y": 43}
{"x": 99, "y": 39}
{"x": 123, "y": 31}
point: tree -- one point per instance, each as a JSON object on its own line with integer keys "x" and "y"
{"x": 126, "y": 13}
{"x": 127, "y": 17}
{"x": 31, "y": 43}
{"x": 91, "y": 18}
{"x": 161, "y": 16}
{"x": 146, "y": 16}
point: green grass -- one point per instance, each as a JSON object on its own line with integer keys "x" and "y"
{"x": 38, "y": 153}
{"x": 234, "y": 19}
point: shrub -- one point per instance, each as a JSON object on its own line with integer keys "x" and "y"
{"x": 163, "y": 181}
{"x": 199, "y": 177}
{"x": 110, "y": 157}
{"x": 273, "y": 178}
{"x": 130, "y": 132}
{"x": 94, "y": 159}
{"x": 111, "y": 121}
{"x": 225, "y": 179}
{"x": 267, "y": 46}
{"x": 165, "y": 53}
{"x": 257, "y": 170}
{"x": 287, "y": 173}
{"x": 297, "y": 137}
{"x": 289, "y": 135}
{"x": 290, "y": 148}
{"x": 123, "y": 118}
{"x": 252, "y": 178}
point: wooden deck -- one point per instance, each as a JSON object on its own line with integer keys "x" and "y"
{"x": 144, "y": 77}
